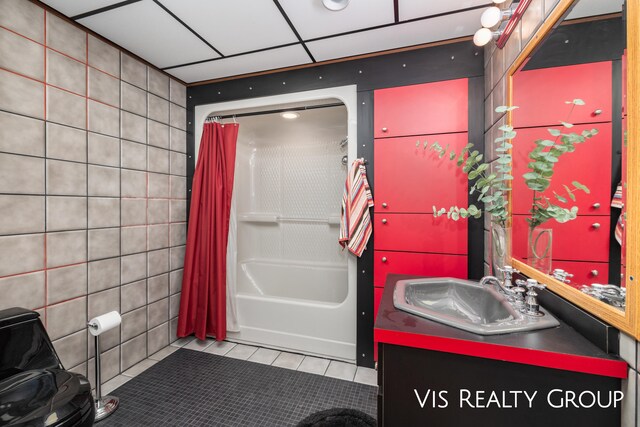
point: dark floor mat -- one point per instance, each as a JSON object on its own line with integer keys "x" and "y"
{"x": 192, "y": 388}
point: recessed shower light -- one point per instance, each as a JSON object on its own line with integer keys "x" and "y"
{"x": 290, "y": 115}
{"x": 335, "y": 5}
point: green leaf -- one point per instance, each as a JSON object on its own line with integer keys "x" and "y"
{"x": 417, "y": 143}
{"x": 545, "y": 143}
{"x": 578, "y": 101}
{"x": 473, "y": 210}
{"x": 531, "y": 175}
{"x": 567, "y": 125}
{"x": 581, "y": 187}
{"x": 506, "y": 128}
{"x": 504, "y": 108}
{"x": 452, "y": 155}
{"x": 570, "y": 193}
{"x": 554, "y": 132}
{"x": 559, "y": 197}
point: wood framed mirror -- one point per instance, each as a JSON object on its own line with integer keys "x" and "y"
{"x": 577, "y": 73}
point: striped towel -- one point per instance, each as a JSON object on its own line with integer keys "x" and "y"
{"x": 355, "y": 220}
{"x": 618, "y": 202}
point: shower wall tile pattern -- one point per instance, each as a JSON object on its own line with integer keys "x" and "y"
{"x": 92, "y": 188}
{"x": 294, "y": 181}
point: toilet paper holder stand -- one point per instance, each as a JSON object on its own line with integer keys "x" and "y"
{"x": 105, "y": 405}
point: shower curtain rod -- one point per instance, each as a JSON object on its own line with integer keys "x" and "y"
{"x": 283, "y": 110}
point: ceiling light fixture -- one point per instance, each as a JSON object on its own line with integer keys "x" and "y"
{"x": 290, "y": 115}
{"x": 335, "y": 5}
{"x": 499, "y": 1}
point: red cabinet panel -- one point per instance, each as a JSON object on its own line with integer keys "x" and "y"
{"x": 584, "y": 272}
{"x": 541, "y": 94}
{"x": 589, "y": 164}
{"x": 411, "y": 179}
{"x": 420, "y": 233}
{"x": 429, "y": 108}
{"x": 586, "y": 238}
{"x": 430, "y": 265}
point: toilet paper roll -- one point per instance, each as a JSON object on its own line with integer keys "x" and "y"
{"x": 103, "y": 323}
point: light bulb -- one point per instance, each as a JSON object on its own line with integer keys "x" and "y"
{"x": 491, "y": 17}
{"x": 482, "y": 37}
{"x": 290, "y": 115}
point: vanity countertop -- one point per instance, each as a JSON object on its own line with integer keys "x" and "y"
{"x": 558, "y": 348}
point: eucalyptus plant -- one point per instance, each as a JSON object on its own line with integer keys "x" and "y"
{"x": 491, "y": 185}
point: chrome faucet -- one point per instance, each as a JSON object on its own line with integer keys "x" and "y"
{"x": 530, "y": 305}
{"x": 504, "y": 286}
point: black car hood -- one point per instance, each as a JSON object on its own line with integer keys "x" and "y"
{"x": 42, "y": 397}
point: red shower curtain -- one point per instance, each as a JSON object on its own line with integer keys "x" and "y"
{"x": 203, "y": 300}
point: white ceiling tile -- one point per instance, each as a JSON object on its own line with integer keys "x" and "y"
{"x": 234, "y": 26}
{"x": 311, "y": 19}
{"x": 150, "y": 32}
{"x": 76, "y": 7}
{"x": 410, "y": 9}
{"x": 259, "y": 61}
{"x": 584, "y": 8}
{"x": 409, "y": 34}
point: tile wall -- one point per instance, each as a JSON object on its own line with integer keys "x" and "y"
{"x": 92, "y": 188}
{"x": 497, "y": 63}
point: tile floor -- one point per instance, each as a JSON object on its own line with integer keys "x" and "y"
{"x": 313, "y": 365}
{"x": 180, "y": 387}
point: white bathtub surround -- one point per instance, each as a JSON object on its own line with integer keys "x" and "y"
{"x": 241, "y": 351}
{"x": 366, "y": 376}
{"x": 220, "y": 348}
{"x": 341, "y": 370}
{"x": 296, "y": 289}
{"x": 140, "y": 367}
{"x": 197, "y": 344}
{"x": 265, "y": 356}
{"x": 288, "y": 360}
{"x": 314, "y": 365}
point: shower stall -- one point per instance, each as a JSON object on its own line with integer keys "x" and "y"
{"x": 290, "y": 284}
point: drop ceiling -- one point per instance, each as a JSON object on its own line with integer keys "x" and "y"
{"x": 197, "y": 40}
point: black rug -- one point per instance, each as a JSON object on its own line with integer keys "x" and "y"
{"x": 192, "y": 388}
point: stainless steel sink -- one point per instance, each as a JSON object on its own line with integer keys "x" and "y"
{"x": 465, "y": 305}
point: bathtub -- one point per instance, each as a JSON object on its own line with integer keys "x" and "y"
{"x": 296, "y": 306}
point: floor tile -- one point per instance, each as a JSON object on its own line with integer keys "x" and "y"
{"x": 220, "y": 347}
{"x": 181, "y": 342}
{"x": 199, "y": 345}
{"x": 241, "y": 351}
{"x": 139, "y": 368}
{"x": 366, "y": 376}
{"x": 161, "y": 354}
{"x": 195, "y": 388}
{"x": 114, "y": 383}
{"x": 288, "y": 360}
{"x": 341, "y": 370}
{"x": 314, "y": 365}
{"x": 264, "y": 355}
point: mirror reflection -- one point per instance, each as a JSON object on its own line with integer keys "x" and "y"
{"x": 569, "y": 153}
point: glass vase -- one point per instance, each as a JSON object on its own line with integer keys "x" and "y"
{"x": 500, "y": 240}
{"x": 539, "y": 249}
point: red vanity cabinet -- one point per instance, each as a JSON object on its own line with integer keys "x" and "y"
{"x": 423, "y": 109}
{"x": 584, "y": 272}
{"x": 420, "y": 233}
{"x": 410, "y": 180}
{"x": 542, "y": 94}
{"x": 592, "y": 244}
{"x": 587, "y": 164}
{"x": 442, "y": 265}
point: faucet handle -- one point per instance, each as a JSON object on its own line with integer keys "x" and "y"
{"x": 532, "y": 284}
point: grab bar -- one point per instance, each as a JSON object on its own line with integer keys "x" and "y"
{"x": 272, "y": 218}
